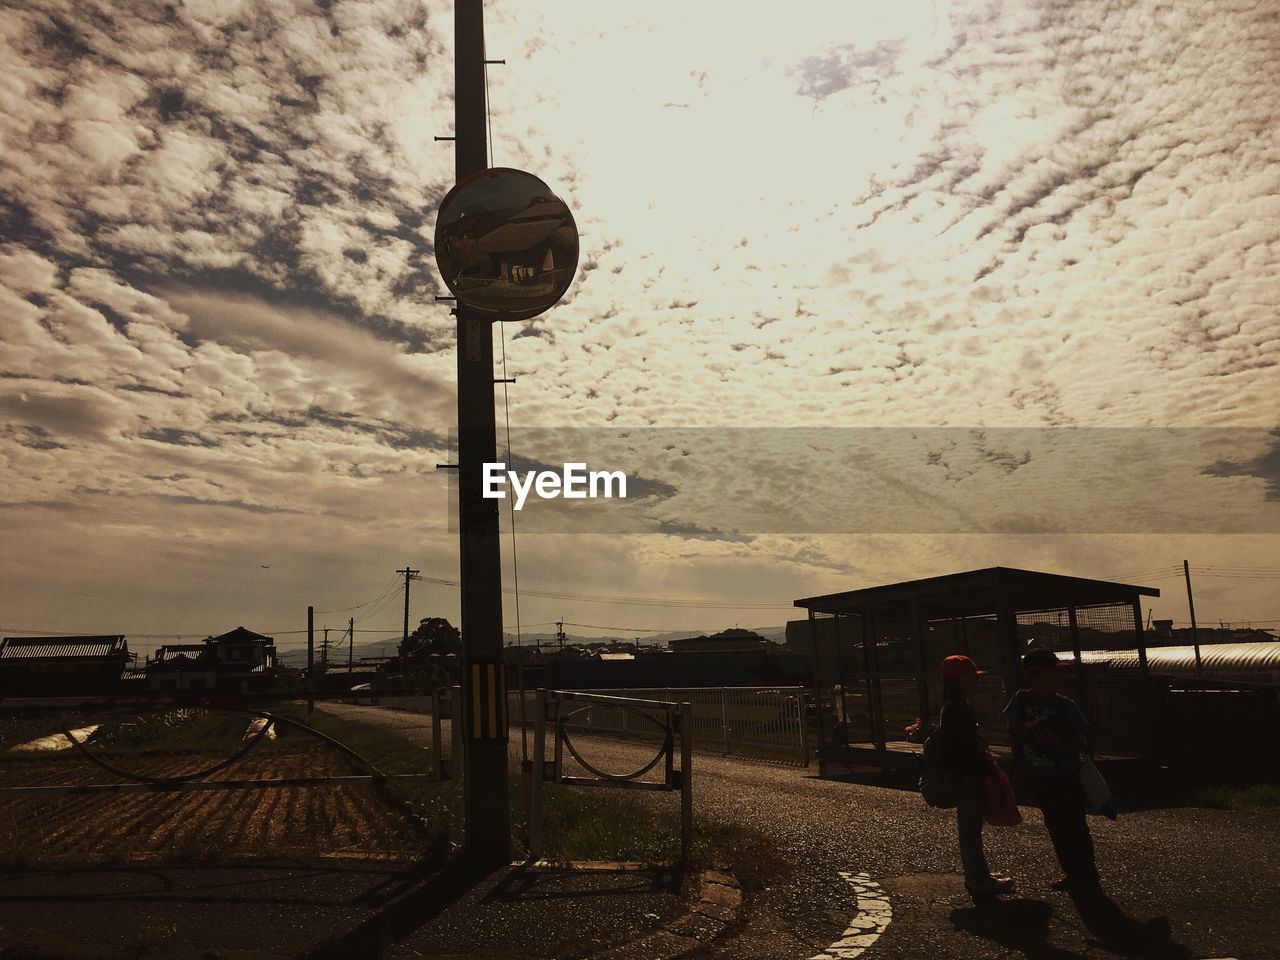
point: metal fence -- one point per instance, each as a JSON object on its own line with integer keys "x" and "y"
{"x": 764, "y": 722}
{"x": 562, "y": 710}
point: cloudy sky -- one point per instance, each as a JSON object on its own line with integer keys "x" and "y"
{"x": 225, "y": 381}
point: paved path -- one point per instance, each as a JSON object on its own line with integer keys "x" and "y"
{"x": 874, "y": 868}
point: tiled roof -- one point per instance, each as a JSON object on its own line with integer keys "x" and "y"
{"x": 13, "y": 648}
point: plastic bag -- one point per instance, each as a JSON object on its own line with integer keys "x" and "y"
{"x": 999, "y": 808}
{"x": 1097, "y": 791}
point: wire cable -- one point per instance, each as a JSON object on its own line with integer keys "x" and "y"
{"x": 511, "y": 504}
{"x": 640, "y": 601}
{"x": 382, "y": 593}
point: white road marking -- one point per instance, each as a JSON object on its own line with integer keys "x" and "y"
{"x": 871, "y": 920}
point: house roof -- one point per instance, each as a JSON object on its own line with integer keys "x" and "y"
{"x": 238, "y": 635}
{"x": 180, "y": 661}
{"x": 16, "y": 648}
{"x": 972, "y": 591}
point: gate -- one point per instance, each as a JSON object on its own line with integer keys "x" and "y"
{"x": 561, "y": 708}
{"x": 761, "y": 722}
{"x": 443, "y": 768}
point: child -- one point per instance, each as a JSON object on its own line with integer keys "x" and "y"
{"x": 964, "y": 757}
{"x": 1051, "y": 730}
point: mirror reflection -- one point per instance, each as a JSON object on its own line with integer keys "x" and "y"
{"x": 506, "y": 246}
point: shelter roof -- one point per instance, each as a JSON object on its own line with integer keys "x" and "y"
{"x": 972, "y": 593}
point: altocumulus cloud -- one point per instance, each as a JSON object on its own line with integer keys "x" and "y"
{"x": 209, "y": 231}
{"x": 216, "y": 275}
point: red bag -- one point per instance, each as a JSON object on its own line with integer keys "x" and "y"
{"x": 999, "y": 808}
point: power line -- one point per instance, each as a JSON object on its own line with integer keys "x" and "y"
{"x": 641, "y": 601}
{"x": 389, "y": 587}
{"x": 506, "y": 413}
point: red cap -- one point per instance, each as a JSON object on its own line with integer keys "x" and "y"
{"x": 960, "y": 666}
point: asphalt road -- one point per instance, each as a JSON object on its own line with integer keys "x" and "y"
{"x": 1180, "y": 883}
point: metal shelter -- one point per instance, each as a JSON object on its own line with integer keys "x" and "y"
{"x": 877, "y": 653}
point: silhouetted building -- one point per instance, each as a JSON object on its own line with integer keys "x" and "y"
{"x": 239, "y": 660}
{"x": 733, "y": 640}
{"x": 62, "y": 666}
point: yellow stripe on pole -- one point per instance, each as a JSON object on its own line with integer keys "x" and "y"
{"x": 501, "y": 687}
{"x": 476, "y": 725}
{"x": 493, "y": 700}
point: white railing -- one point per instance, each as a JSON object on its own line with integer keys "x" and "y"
{"x": 766, "y": 722}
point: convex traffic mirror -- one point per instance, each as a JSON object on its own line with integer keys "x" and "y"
{"x": 506, "y": 246}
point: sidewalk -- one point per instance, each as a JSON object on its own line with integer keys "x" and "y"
{"x": 612, "y": 911}
{"x": 258, "y": 911}
{"x": 344, "y": 909}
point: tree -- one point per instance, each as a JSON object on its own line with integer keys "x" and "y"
{"x": 433, "y": 635}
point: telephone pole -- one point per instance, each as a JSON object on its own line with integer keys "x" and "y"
{"x": 351, "y": 641}
{"x": 311, "y": 657}
{"x": 484, "y": 695}
{"x": 324, "y": 651}
{"x": 409, "y": 576}
{"x": 1191, "y": 605}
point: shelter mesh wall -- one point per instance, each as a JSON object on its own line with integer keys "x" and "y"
{"x": 839, "y": 672}
{"x": 896, "y": 652}
{"x": 1109, "y": 627}
{"x": 981, "y": 642}
{"x": 1046, "y": 630}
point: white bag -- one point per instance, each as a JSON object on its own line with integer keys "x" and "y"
{"x": 1097, "y": 791}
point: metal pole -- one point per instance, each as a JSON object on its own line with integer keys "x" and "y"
{"x": 539, "y": 767}
{"x": 686, "y": 782}
{"x": 455, "y": 735}
{"x": 724, "y": 718}
{"x": 802, "y": 714}
{"x": 409, "y": 575}
{"x": 351, "y": 642}
{"x": 1139, "y": 636}
{"x": 1191, "y": 605}
{"x": 437, "y": 753}
{"x": 311, "y": 657}
{"x": 488, "y": 815}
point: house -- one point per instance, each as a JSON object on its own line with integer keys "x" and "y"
{"x": 733, "y": 640}
{"x": 239, "y": 660}
{"x": 62, "y": 666}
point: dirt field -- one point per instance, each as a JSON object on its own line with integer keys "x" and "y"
{"x": 347, "y": 821}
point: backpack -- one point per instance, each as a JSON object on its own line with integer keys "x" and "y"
{"x": 937, "y": 785}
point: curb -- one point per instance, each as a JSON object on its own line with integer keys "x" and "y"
{"x": 716, "y": 904}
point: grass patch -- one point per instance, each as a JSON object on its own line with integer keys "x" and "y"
{"x": 1262, "y": 798}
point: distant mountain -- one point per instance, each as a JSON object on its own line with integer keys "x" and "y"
{"x": 297, "y": 656}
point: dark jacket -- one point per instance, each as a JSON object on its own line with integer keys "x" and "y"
{"x": 961, "y": 753}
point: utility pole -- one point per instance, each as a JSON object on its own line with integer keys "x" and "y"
{"x": 324, "y": 651}
{"x": 484, "y": 696}
{"x": 560, "y": 635}
{"x": 311, "y": 657}
{"x": 409, "y": 576}
{"x": 351, "y": 641}
{"x": 1191, "y": 605}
